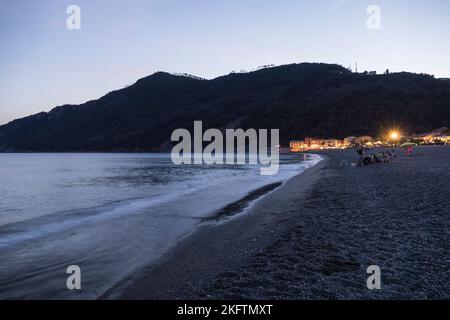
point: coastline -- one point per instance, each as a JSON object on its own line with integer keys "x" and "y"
{"x": 315, "y": 237}
{"x": 216, "y": 247}
{"x": 125, "y": 218}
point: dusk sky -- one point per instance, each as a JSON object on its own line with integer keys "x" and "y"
{"x": 43, "y": 64}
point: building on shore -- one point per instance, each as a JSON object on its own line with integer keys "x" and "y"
{"x": 317, "y": 144}
{"x": 311, "y": 144}
{"x": 438, "y": 136}
{"x": 314, "y": 143}
{"x": 297, "y": 146}
{"x": 333, "y": 144}
{"x": 365, "y": 141}
{"x": 350, "y": 140}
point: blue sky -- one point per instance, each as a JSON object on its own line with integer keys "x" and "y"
{"x": 43, "y": 64}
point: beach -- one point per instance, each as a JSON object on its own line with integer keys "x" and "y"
{"x": 315, "y": 236}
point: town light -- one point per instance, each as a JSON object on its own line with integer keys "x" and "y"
{"x": 394, "y": 135}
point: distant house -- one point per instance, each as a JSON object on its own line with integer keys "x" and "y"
{"x": 363, "y": 141}
{"x": 333, "y": 144}
{"x": 350, "y": 140}
{"x": 440, "y": 135}
{"x": 372, "y": 73}
{"x": 297, "y": 146}
{"x": 317, "y": 144}
{"x": 307, "y": 144}
{"x": 314, "y": 143}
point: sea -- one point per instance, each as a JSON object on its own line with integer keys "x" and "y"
{"x": 110, "y": 214}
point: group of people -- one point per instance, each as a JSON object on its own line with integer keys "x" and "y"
{"x": 379, "y": 157}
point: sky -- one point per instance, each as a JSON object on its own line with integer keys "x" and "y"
{"x": 44, "y": 64}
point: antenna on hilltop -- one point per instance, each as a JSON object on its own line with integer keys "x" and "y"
{"x": 356, "y": 67}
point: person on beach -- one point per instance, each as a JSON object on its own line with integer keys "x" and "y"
{"x": 360, "y": 152}
{"x": 388, "y": 157}
{"x": 409, "y": 150}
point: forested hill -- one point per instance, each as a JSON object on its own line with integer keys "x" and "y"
{"x": 300, "y": 99}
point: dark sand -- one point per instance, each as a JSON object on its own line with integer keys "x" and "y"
{"x": 314, "y": 237}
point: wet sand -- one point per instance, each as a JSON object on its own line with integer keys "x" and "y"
{"x": 315, "y": 236}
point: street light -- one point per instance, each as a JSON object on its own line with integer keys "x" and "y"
{"x": 394, "y": 135}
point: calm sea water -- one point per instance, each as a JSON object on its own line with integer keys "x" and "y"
{"x": 107, "y": 213}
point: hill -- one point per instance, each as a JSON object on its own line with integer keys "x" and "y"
{"x": 300, "y": 99}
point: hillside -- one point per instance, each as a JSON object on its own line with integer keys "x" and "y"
{"x": 299, "y": 99}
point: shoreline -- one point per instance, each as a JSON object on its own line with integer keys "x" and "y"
{"x": 161, "y": 278}
{"x": 137, "y": 230}
{"x": 314, "y": 238}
